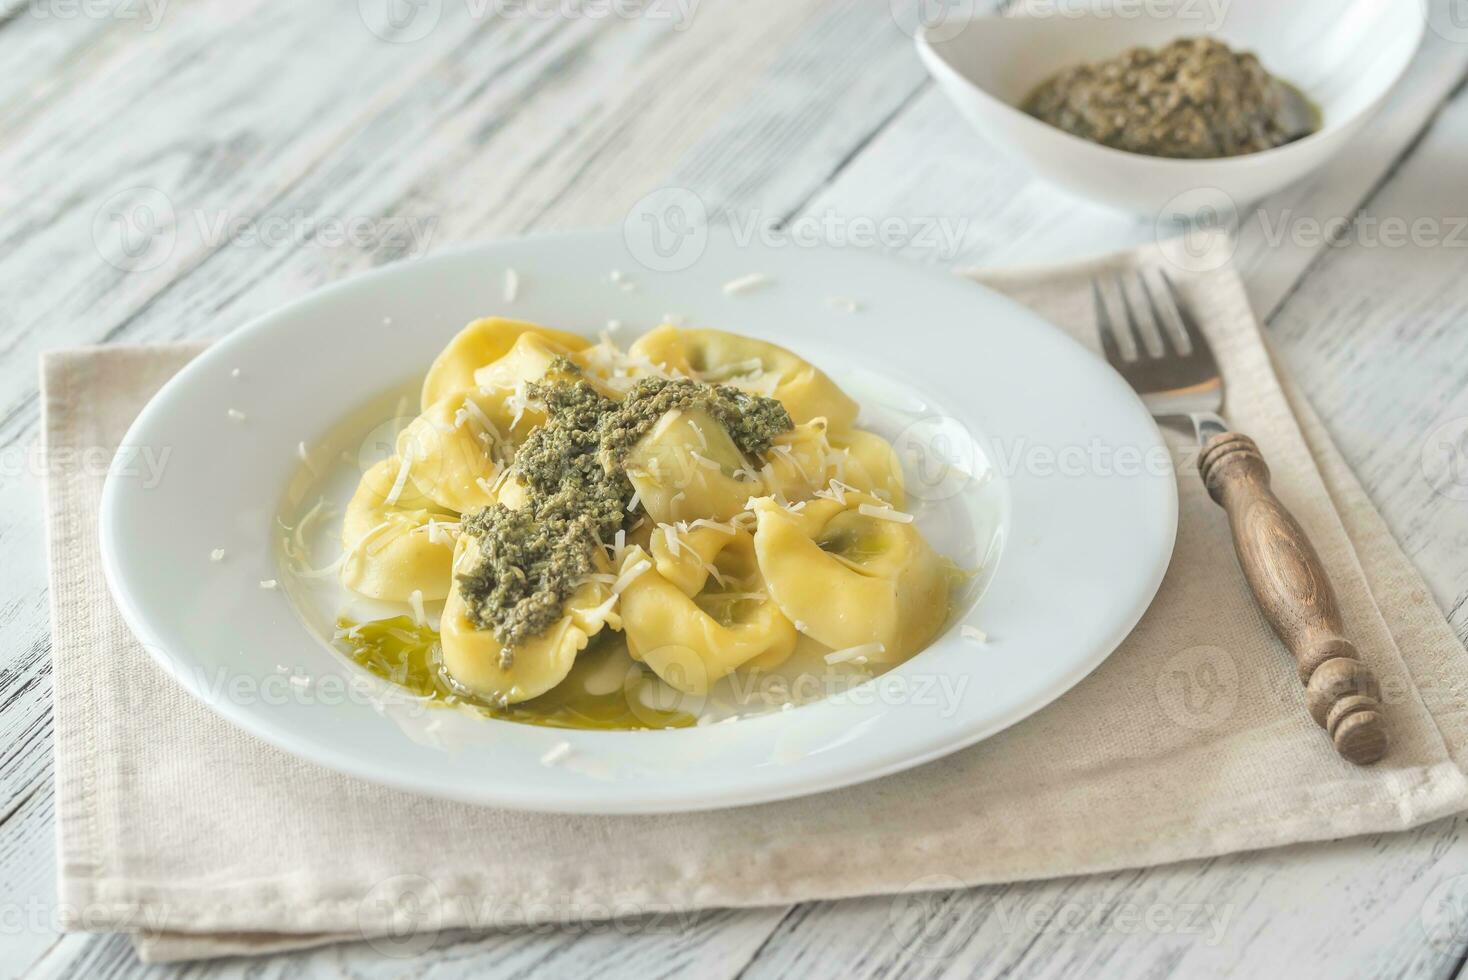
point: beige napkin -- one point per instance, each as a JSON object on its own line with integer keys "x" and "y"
{"x": 1191, "y": 740}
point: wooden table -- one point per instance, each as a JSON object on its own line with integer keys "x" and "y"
{"x": 291, "y": 146}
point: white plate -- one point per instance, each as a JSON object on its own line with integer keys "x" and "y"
{"x": 1059, "y": 480}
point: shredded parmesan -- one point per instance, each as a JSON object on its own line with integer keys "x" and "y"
{"x": 217, "y": 554}
{"x": 415, "y": 602}
{"x": 236, "y": 415}
{"x": 704, "y": 461}
{"x": 857, "y": 653}
{"x": 512, "y": 285}
{"x": 401, "y": 481}
{"x": 975, "y": 634}
{"x": 745, "y": 283}
{"x": 556, "y": 753}
{"x": 843, "y": 304}
{"x": 636, "y": 499}
{"x": 234, "y": 373}
{"x": 630, "y": 575}
{"x": 884, "y": 514}
{"x": 268, "y": 583}
{"x": 301, "y": 682}
{"x": 670, "y": 535}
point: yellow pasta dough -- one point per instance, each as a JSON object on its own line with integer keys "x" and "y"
{"x": 684, "y": 469}
{"x": 473, "y": 657}
{"x": 847, "y": 579}
{"x": 389, "y": 550}
{"x": 692, "y": 639}
{"x": 716, "y": 356}
{"x": 480, "y": 343}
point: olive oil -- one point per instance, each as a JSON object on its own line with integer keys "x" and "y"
{"x": 606, "y": 690}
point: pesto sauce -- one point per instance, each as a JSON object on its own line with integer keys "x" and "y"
{"x": 1194, "y": 98}
{"x": 534, "y": 558}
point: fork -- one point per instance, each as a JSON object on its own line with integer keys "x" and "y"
{"x": 1182, "y": 382}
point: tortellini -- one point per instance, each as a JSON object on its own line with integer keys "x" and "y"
{"x": 847, "y": 579}
{"x": 473, "y": 657}
{"x": 805, "y": 460}
{"x": 684, "y": 468}
{"x": 390, "y": 550}
{"x": 461, "y": 443}
{"x": 480, "y": 343}
{"x": 727, "y": 564}
{"x": 700, "y": 611}
{"x": 726, "y": 358}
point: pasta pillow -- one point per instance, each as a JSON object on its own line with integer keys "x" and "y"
{"x": 848, "y": 579}
{"x": 726, "y": 358}
{"x": 480, "y": 343}
{"x": 392, "y": 547}
{"x": 476, "y": 660}
{"x": 697, "y": 610}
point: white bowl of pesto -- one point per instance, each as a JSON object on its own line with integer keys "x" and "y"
{"x": 1344, "y": 57}
{"x": 225, "y": 567}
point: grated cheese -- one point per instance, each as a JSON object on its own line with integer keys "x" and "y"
{"x": 843, "y": 304}
{"x": 217, "y": 554}
{"x": 415, "y": 602}
{"x": 234, "y": 373}
{"x": 268, "y": 583}
{"x": 745, "y": 283}
{"x": 556, "y": 753}
{"x": 236, "y": 415}
{"x": 512, "y": 285}
{"x": 975, "y": 634}
{"x": 857, "y": 653}
{"x": 401, "y": 481}
{"x": 884, "y": 514}
{"x": 704, "y": 461}
{"x": 630, "y": 575}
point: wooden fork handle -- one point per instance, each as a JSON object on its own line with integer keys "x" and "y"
{"x": 1290, "y": 584}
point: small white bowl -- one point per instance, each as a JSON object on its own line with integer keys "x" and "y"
{"x": 1344, "y": 56}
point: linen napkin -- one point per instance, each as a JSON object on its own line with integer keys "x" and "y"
{"x": 1191, "y": 740}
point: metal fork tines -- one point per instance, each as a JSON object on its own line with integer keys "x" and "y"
{"x": 1173, "y": 378}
